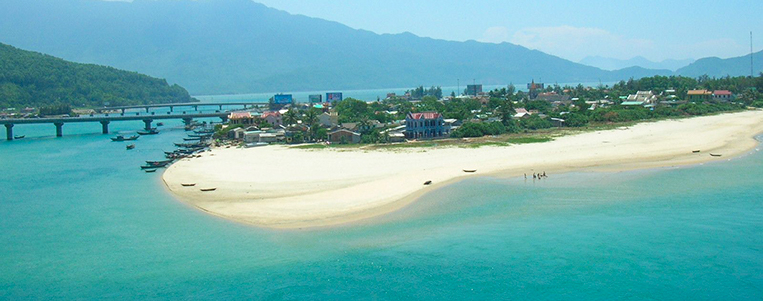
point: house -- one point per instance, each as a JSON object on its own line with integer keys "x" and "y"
{"x": 521, "y": 113}
{"x": 425, "y": 125}
{"x": 274, "y": 118}
{"x": 237, "y": 133}
{"x": 722, "y": 95}
{"x": 245, "y": 118}
{"x": 699, "y": 95}
{"x": 344, "y": 136}
{"x": 557, "y": 122}
{"x": 553, "y": 97}
{"x": 643, "y": 97}
{"x": 396, "y": 137}
{"x": 352, "y": 126}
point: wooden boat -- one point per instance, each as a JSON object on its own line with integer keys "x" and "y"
{"x": 427, "y": 182}
{"x": 130, "y": 146}
{"x": 208, "y": 189}
{"x": 150, "y": 170}
{"x": 19, "y": 137}
{"x": 715, "y": 155}
{"x": 120, "y": 138}
{"x": 470, "y": 170}
{"x": 160, "y": 124}
{"x": 696, "y": 151}
{"x": 188, "y": 184}
{"x": 190, "y": 145}
{"x": 150, "y": 167}
{"x": 149, "y": 132}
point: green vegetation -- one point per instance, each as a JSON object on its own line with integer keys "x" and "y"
{"x": 30, "y": 79}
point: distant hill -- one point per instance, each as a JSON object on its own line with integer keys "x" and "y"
{"x": 238, "y": 46}
{"x": 606, "y": 63}
{"x": 34, "y": 79}
{"x": 717, "y": 67}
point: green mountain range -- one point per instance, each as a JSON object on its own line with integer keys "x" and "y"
{"x": 34, "y": 79}
{"x": 239, "y": 46}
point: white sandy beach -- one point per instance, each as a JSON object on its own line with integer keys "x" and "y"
{"x": 282, "y": 187}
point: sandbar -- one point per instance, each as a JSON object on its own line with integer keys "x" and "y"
{"x": 284, "y": 187}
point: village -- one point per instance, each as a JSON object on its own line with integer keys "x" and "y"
{"x": 424, "y": 114}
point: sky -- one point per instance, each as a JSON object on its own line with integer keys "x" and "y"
{"x": 656, "y": 30}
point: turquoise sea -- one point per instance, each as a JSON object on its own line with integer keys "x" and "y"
{"x": 80, "y": 220}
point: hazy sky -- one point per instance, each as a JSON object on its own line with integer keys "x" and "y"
{"x": 657, "y": 30}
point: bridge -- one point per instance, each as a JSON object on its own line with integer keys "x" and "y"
{"x": 194, "y": 105}
{"x": 104, "y": 120}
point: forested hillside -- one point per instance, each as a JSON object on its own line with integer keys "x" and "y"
{"x": 34, "y": 79}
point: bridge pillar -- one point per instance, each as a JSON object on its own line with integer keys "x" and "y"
{"x": 221, "y": 107}
{"x": 187, "y": 121}
{"x": 148, "y": 123}
{"x": 224, "y": 118}
{"x": 9, "y": 131}
{"x": 59, "y": 129}
{"x": 146, "y": 109}
{"x": 123, "y": 111}
{"x": 172, "y": 109}
{"x": 195, "y": 108}
{"x": 105, "y": 126}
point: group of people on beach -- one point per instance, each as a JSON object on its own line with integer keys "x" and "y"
{"x": 538, "y": 176}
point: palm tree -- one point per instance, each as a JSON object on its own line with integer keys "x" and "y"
{"x": 290, "y": 117}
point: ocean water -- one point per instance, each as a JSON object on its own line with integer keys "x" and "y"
{"x": 80, "y": 220}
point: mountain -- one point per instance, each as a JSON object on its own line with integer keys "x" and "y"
{"x": 238, "y": 46}
{"x": 34, "y": 79}
{"x": 606, "y": 63}
{"x": 717, "y": 67}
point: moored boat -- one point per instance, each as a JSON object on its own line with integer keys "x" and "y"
{"x": 428, "y": 182}
{"x": 715, "y": 155}
{"x": 188, "y": 184}
{"x": 150, "y": 170}
{"x": 130, "y": 146}
{"x": 19, "y": 137}
{"x": 120, "y": 138}
{"x": 149, "y": 132}
{"x": 470, "y": 170}
{"x": 208, "y": 189}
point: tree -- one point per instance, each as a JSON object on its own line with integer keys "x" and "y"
{"x": 290, "y": 117}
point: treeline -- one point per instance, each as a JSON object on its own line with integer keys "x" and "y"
{"x": 30, "y": 79}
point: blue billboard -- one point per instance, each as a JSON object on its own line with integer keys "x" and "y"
{"x": 315, "y": 98}
{"x": 282, "y": 99}
{"x": 334, "y": 96}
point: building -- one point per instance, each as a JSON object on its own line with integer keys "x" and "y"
{"x": 315, "y": 98}
{"x": 521, "y": 113}
{"x": 274, "y": 118}
{"x": 533, "y": 89}
{"x": 474, "y": 90}
{"x": 245, "y": 118}
{"x": 722, "y": 95}
{"x": 329, "y": 120}
{"x": 642, "y": 97}
{"x": 553, "y": 97}
{"x": 344, "y": 136}
{"x": 699, "y": 95}
{"x": 425, "y": 125}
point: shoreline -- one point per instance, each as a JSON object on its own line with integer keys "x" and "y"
{"x": 287, "y": 188}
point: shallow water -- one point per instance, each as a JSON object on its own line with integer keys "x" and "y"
{"x": 79, "y": 219}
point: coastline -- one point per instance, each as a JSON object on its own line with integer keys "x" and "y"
{"x": 282, "y": 187}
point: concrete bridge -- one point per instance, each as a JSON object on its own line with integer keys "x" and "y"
{"x": 194, "y": 105}
{"x": 104, "y": 120}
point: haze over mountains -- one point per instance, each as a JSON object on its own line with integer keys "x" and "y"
{"x": 238, "y": 46}
{"x": 606, "y": 63}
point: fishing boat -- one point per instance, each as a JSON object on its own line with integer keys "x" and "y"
{"x": 715, "y": 155}
{"x": 150, "y": 170}
{"x": 427, "y": 182}
{"x": 188, "y": 184}
{"x": 149, "y": 132}
{"x": 695, "y": 151}
{"x": 208, "y": 189}
{"x": 190, "y": 145}
{"x": 470, "y": 170}
{"x": 120, "y": 138}
{"x": 150, "y": 167}
{"x": 160, "y": 124}
{"x": 19, "y": 137}
{"x": 130, "y": 146}
{"x": 192, "y": 139}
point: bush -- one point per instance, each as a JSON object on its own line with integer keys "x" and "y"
{"x": 472, "y": 129}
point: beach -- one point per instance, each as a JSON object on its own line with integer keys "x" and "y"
{"x": 284, "y": 187}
